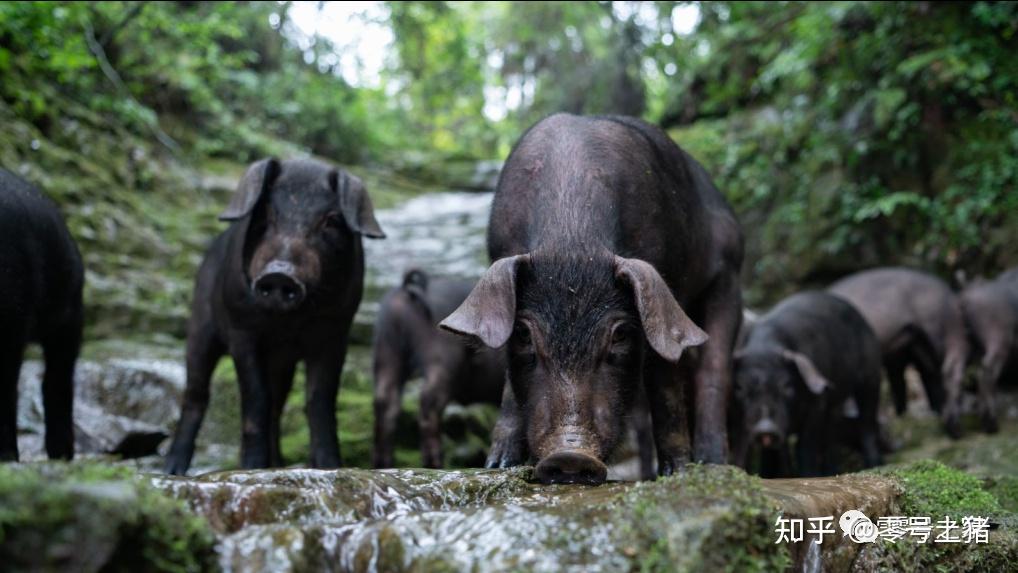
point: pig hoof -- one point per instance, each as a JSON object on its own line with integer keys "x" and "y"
{"x": 990, "y": 425}
{"x": 175, "y": 468}
{"x": 501, "y": 463}
{"x": 667, "y": 466}
{"x": 502, "y": 457}
{"x": 953, "y": 428}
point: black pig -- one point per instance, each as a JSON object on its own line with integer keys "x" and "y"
{"x": 801, "y": 362}
{"x": 604, "y": 235}
{"x": 280, "y": 285}
{"x": 41, "y": 279}
{"x": 408, "y": 342}
{"x": 918, "y": 320}
{"x": 991, "y": 315}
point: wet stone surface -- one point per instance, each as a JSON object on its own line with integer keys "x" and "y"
{"x": 405, "y": 520}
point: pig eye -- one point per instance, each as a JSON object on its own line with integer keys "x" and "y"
{"x": 521, "y": 337}
{"x": 334, "y": 222}
{"x": 620, "y": 334}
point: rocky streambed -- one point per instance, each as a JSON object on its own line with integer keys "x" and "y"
{"x": 90, "y": 517}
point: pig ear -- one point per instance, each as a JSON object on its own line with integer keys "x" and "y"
{"x": 258, "y": 177}
{"x": 489, "y": 312}
{"x": 355, "y": 204}
{"x": 814, "y": 380}
{"x": 669, "y": 331}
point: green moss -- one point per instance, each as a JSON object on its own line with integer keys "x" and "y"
{"x": 936, "y": 490}
{"x": 49, "y": 512}
{"x": 741, "y": 518}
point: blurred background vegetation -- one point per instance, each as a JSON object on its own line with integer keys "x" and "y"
{"x": 847, "y": 134}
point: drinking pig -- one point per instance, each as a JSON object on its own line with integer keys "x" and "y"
{"x": 991, "y": 315}
{"x": 613, "y": 253}
{"x": 801, "y": 363}
{"x": 280, "y": 285}
{"x": 41, "y": 279}
{"x": 408, "y": 342}
{"x": 918, "y": 320}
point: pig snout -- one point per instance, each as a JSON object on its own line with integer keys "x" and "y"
{"x": 571, "y": 466}
{"x": 278, "y": 287}
{"x": 767, "y": 433}
{"x": 571, "y": 461}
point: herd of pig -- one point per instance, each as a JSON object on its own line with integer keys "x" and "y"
{"x": 613, "y": 302}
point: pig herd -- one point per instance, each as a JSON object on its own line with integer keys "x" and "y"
{"x": 612, "y": 303}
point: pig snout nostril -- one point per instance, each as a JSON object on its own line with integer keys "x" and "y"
{"x": 571, "y": 467}
{"x": 279, "y": 289}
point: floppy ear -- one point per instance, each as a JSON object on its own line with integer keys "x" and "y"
{"x": 258, "y": 177}
{"x": 355, "y": 204}
{"x": 814, "y": 380}
{"x": 669, "y": 331}
{"x": 489, "y": 312}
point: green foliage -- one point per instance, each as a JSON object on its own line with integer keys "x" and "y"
{"x": 853, "y": 134}
{"x": 49, "y": 512}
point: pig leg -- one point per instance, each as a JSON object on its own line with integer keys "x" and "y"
{"x": 990, "y": 368}
{"x": 61, "y": 352}
{"x": 508, "y": 439}
{"x": 668, "y": 410}
{"x": 11, "y": 350}
{"x": 944, "y": 400}
{"x": 644, "y": 436}
{"x": 722, "y": 313}
{"x": 772, "y": 462}
{"x": 255, "y": 401}
{"x": 895, "y": 366}
{"x": 434, "y": 398}
{"x": 389, "y": 382}
{"x": 811, "y": 442}
{"x": 739, "y": 453}
{"x": 204, "y": 349}
{"x": 280, "y": 380}
{"x": 868, "y": 399}
{"x": 323, "y": 372}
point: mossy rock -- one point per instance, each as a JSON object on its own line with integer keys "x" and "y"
{"x": 90, "y": 517}
{"x": 931, "y": 489}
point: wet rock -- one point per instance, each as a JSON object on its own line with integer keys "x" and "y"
{"x": 122, "y": 407}
{"x": 400, "y": 520}
{"x": 820, "y": 497}
{"x": 90, "y": 517}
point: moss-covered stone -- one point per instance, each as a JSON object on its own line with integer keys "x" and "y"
{"x": 733, "y": 530}
{"x": 91, "y": 517}
{"x": 930, "y": 488}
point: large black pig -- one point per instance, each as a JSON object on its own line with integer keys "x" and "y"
{"x": 280, "y": 285}
{"x": 41, "y": 278}
{"x": 918, "y": 320}
{"x": 801, "y": 365}
{"x": 408, "y": 342}
{"x": 991, "y": 315}
{"x": 613, "y": 253}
